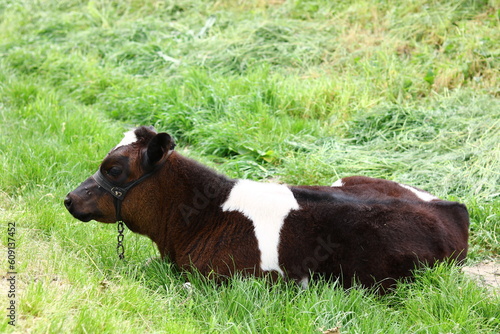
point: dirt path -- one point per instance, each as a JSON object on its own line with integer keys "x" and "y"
{"x": 487, "y": 273}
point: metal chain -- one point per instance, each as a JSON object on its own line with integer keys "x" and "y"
{"x": 119, "y": 247}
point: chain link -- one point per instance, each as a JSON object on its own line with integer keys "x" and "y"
{"x": 119, "y": 247}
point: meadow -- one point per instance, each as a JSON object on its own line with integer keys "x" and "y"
{"x": 298, "y": 92}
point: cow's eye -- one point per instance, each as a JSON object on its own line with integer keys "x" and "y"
{"x": 114, "y": 171}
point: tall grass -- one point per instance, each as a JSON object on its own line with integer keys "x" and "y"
{"x": 302, "y": 92}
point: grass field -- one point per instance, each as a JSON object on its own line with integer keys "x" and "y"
{"x": 300, "y": 92}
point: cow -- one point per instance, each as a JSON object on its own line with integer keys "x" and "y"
{"x": 360, "y": 230}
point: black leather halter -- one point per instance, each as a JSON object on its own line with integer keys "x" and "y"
{"x": 119, "y": 192}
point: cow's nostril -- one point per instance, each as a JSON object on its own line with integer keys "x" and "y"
{"x": 67, "y": 202}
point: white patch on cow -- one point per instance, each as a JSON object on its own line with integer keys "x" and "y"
{"x": 338, "y": 183}
{"x": 128, "y": 139}
{"x": 266, "y": 205}
{"x": 423, "y": 195}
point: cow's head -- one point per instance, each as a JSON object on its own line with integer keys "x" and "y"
{"x": 142, "y": 152}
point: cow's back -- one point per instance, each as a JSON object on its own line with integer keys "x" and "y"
{"x": 343, "y": 236}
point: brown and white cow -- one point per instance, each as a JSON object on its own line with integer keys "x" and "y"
{"x": 369, "y": 230}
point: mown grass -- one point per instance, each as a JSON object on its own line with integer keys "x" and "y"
{"x": 300, "y": 92}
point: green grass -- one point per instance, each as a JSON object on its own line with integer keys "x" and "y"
{"x": 301, "y": 92}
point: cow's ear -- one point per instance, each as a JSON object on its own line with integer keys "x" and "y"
{"x": 158, "y": 147}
